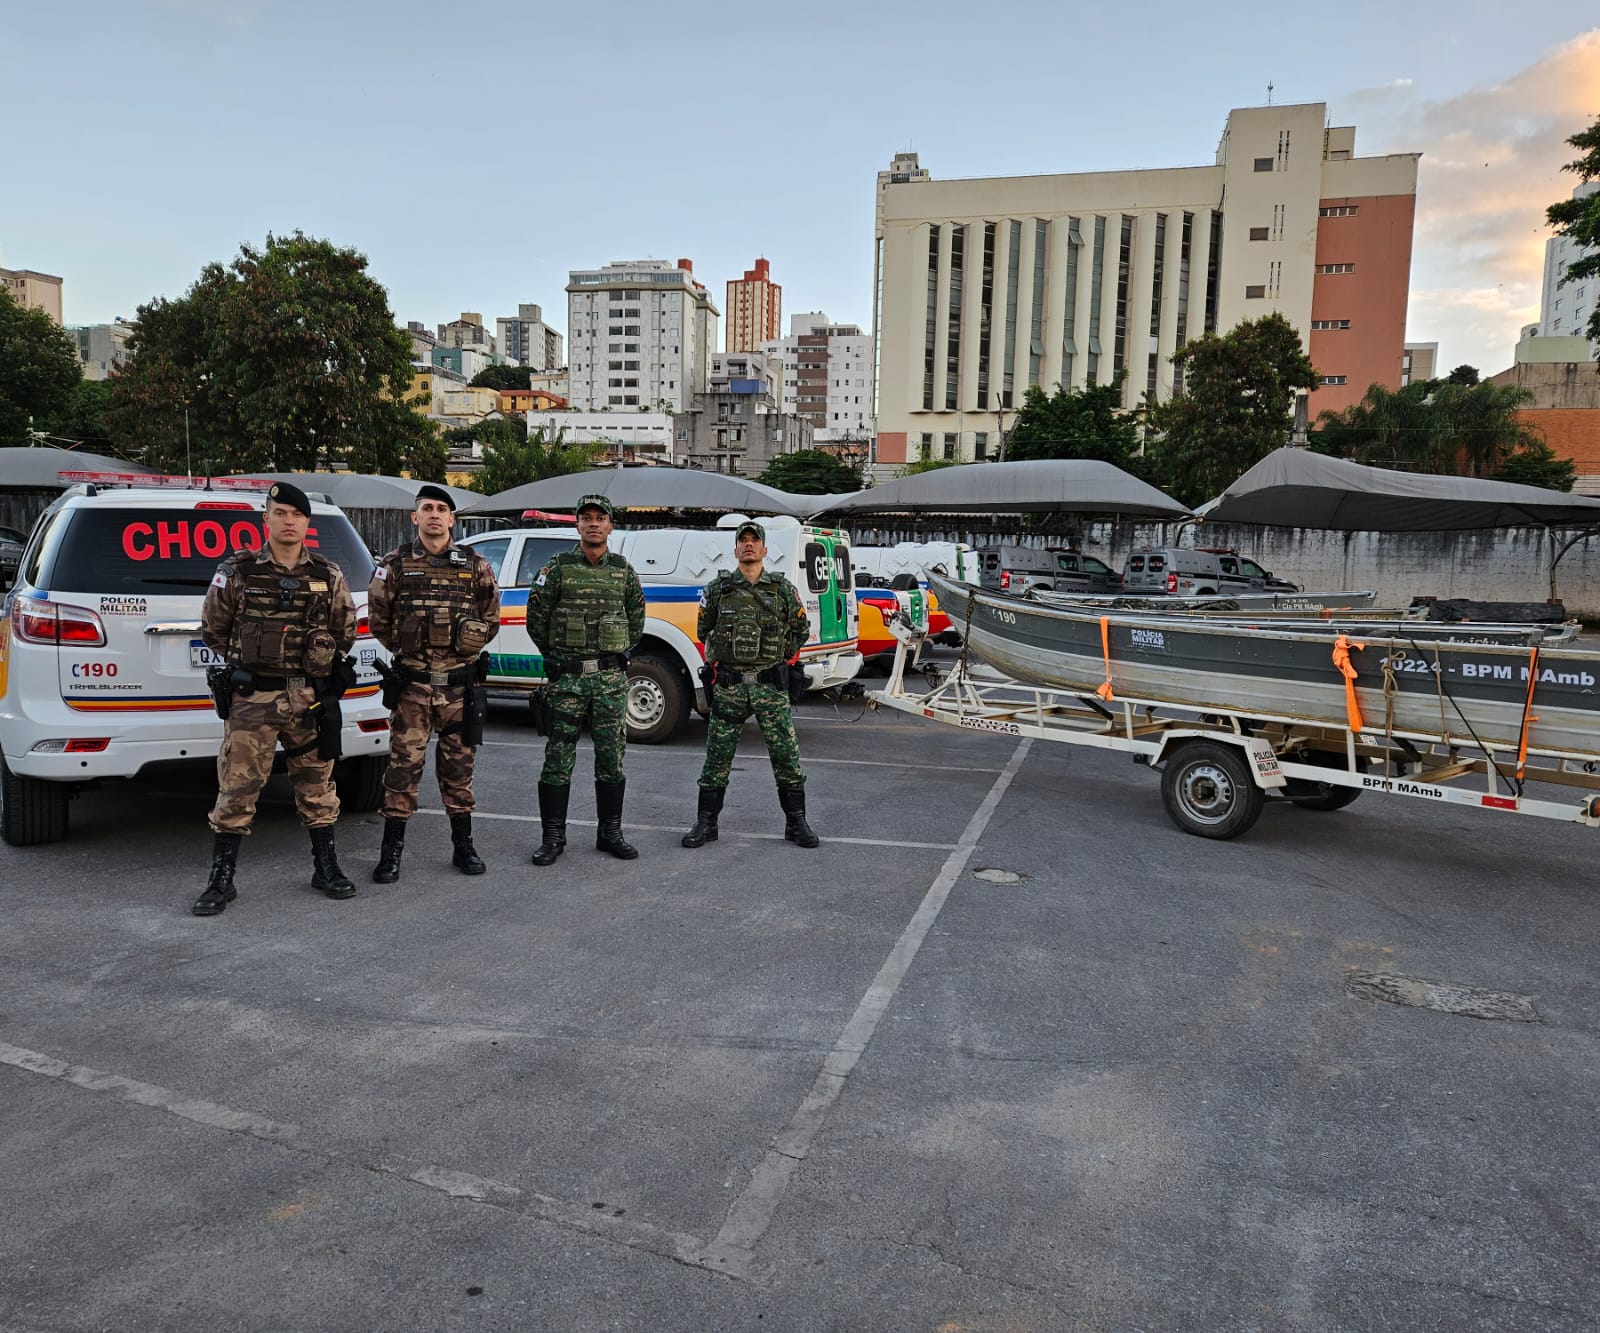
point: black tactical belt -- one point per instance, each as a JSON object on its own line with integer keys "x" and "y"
{"x": 437, "y": 679}
{"x": 278, "y": 682}
{"x": 728, "y": 676}
{"x": 587, "y": 666}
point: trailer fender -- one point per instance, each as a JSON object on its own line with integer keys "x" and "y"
{"x": 1257, "y": 752}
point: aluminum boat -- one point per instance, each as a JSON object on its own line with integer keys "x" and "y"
{"x": 1471, "y": 684}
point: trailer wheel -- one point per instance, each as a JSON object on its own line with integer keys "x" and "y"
{"x": 1323, "y": 795}
{"x": 1209, "y": 791}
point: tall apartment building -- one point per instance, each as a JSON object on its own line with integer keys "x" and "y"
{"x": 1565, "y": 308}
{"x": 827, "y": 377}
{"x": 1419, "y": 362}
{"x": 528, "y": 341}
{"x": 755, "y": 309}
{"x": 101, "y": 347}
{"x": 985, "y": 287}
{"x": 641, "y": 333}
{"x": 33, "y": 291}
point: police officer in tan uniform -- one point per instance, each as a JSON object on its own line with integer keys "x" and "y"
{"x": 435, "y": 606}
{"x": 283, "y": 617}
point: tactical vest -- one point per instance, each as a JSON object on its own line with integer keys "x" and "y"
{"x": 436, "y": 607}
{"x": 590, "y": 616}
{"x": 750, "y": 629}
{"x": 281, "y": 628}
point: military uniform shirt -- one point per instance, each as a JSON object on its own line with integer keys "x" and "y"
{"x": 771, "y": 602}
{"x": 386, "y": 599}
{"x": 544, "y": 600}
{"x": 224, "y": 598}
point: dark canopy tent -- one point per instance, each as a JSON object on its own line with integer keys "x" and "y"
{"x": 646, "y": 488}
{"x": 1064, "y": 485}
{"x": 1294, "y": 488}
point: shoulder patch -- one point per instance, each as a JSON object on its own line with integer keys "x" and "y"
{"x": 540, "y": 581}
{"x": 220, "y": 578}
{"x": 381, "y": 572}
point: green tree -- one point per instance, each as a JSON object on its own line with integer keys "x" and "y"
{"x": 921, "y": 465}
{"x": 1238, "y": 392}
{"x": 82, "y": 419}
{"x": 1537, "y": 465}
{"x": 1470, "y": 429}
{"x": 514, "y": 455}
{"x": 810, "y": 472}
{"x": 1074, "y": 423}
{"x": 39, "y": 369}
{"x": 501, "y": 377}
{"x": 1463, "y": 374}
{"x": 1579, "y": 219}
{"x": 287, "y": 358}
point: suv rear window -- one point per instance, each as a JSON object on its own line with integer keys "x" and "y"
{"x": 156, "y": 550}
{"x": 1157, "y": 563}
{"x": 1135, "y": 564}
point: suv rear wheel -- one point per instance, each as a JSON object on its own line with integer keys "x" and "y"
{"x": 31, "y": 811}
{"x": 360, "y": 782}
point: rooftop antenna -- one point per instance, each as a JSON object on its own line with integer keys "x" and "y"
{"x": 1269, "y": 94}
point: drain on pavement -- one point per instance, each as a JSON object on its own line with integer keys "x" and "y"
{"x": 1469, "y": 1001}
{"x": 989, "y": 876}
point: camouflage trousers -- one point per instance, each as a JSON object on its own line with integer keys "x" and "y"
{"x": 423, "y": 710}
{"x": 730, "y": 706}
{"x": 256, "y": 725}
{"x": 601, "y": 698}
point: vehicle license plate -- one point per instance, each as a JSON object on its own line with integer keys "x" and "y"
{"x": 201, "y": 656}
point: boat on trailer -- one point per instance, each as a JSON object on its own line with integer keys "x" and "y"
{"x": 1235, "y": 712}
{"x": 1315, "y": 603}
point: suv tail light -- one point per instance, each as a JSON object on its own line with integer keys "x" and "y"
{"x": 1172, "y": 583}
{"x": 363, "y": 629}
{"x": 48, "y": 622}
{"x": 1005, "y": 579}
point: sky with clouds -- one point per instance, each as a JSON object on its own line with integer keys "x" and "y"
{"x": 477, "y": 154}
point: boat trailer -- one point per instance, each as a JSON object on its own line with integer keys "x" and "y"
{"x": 1219, "y": 767}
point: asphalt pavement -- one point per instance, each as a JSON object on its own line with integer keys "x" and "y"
{"x": 1008, "y": 1052}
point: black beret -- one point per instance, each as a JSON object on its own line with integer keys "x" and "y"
{"x": 431, "y": 492}
{"x": 287, "y": 493}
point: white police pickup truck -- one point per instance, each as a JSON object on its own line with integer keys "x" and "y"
{"x": 102, "y": 671}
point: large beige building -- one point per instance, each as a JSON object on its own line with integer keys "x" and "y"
{"x": 984, "y": 287}
{"x": 33, "y": 291}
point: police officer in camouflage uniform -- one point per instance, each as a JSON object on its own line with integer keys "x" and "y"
{"x": 752, "y": 624}
{"x": 281, "y": 615}
{"x": 435, "y": 606}
{"x": 585, "y": 613}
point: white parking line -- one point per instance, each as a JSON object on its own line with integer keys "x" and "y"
{"x": 725, "y": 831}
{"x": 733, "y": 1250}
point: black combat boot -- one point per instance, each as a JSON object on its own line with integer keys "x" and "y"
{"x": 325, "y": 874}
{"x": 387, "y": 871}
{"x": 608, "y": 809}
{"x": 795, "y": 828}
{"x": 553, "y": 817}
{"x": 466, "y": 858}
{"x": 220, "y": 891}
{"x": 705, "y": 823}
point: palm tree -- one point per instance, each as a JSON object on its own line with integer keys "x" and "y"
{"x": 1432, "y": 427}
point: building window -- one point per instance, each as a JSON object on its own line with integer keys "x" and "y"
{"x": 1339, "y": 211}
{"x": 1264, "y": 164}
{"x": 1119, "y": 345}
{"x": 1069, "y": 323}
{"x": 949, "y": 445}
{"x": 1323, "y": 324}
{"x": 980, "y": 446}
{"x": 1255, "y": 292}
{"x": 985, "y": 313}
{"x": 1013, "y": 280}
{"x": 1096, "y": 274}
{"x": 1333, "y": 379}
{"x": 1336, "y": 268}
{"x": 615, "y": 400}
{"x": 1258, "y": 233}
{"x": 952, "y": 377}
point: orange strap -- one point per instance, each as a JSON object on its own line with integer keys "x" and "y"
{"x": 1341, "y": 659}
{"x": 1528, "y": 714}
{"x": 1105, "y": 651}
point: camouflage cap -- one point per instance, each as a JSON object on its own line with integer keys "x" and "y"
{"x": 750, "y": 525}
{"x": 595, "y": 502}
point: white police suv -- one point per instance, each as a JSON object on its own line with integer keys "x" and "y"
{"x": 102, "y": 671}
